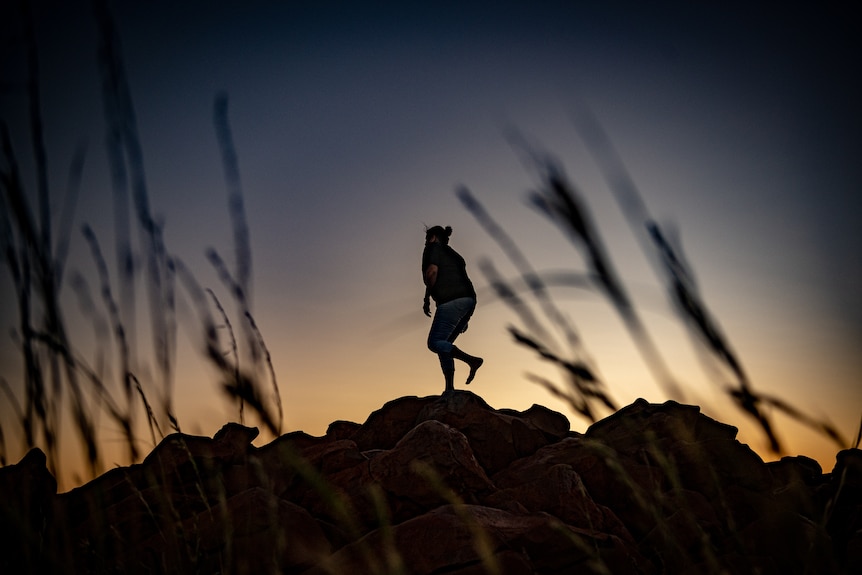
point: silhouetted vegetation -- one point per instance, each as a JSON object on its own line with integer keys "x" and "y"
{"x": 558, "y": 200}
{"x": 123, "y": 382}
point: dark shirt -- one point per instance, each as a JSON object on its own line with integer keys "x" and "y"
{"x": 452, "y": 281}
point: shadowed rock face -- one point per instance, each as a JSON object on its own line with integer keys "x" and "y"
{"x": 446, "y": 485}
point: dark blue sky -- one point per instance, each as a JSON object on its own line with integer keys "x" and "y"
{"x": 740, "y": 124}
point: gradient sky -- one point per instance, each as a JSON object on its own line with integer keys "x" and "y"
{"x": 353, "y": 125}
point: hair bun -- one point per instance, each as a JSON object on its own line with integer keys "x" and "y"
{"x": 439, "y": 232}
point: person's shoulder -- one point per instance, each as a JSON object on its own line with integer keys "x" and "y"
{"x": 451, "y": 251}
{"x": 431, "y": 252}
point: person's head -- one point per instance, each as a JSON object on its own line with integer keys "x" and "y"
{"x": 439, "y": 233}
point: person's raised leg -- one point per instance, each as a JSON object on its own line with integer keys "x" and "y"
{"x": 471, "y": 360}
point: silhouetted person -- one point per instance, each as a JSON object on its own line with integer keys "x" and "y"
{"x": 445, "y": 275}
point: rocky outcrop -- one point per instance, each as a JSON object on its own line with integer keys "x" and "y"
{"x": 446, "y": 485}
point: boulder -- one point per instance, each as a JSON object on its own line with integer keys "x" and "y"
{"x": 497, "y": 438}
{"x": 386, "y": 426}
{"x": 250, "y": 532}
{"x": 844, "y": 505}
{"x": 557, "y": 490}
{"x": 27, "y": 492}
{"x": 685, "y": 445}
{"x": 476, "y": 539}
{"x": 432, "y": 464}
{"x": 341, "y": 429}
{"x": 553, "y": 424}
{"x": 333, "y": 456}
{"x": 621, "y": 485}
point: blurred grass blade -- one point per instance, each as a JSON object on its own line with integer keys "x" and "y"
{"x": 236, "y": 208}
{"x": 268, "y": 358}
{"x": 558, "y": 200}
{"x": 750, "y": 403}
{"x": 508, "y": 295}
{"x": 64, "y": 231}
{"x": 233, "y": 347}
{"x": 128, "y": 421}
{"x": 525, "y": 269}
{"x": 858, "y": 435}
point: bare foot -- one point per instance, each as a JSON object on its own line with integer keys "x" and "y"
{"x": 474, "y": 367}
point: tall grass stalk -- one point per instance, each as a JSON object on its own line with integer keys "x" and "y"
{"x": 57, "y": 379}
{"x": 584, "y": 386}
{"x": 673, "y": 269}
{"x": 559, "y": 200}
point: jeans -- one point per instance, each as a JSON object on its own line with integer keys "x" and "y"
{"x": 450, "y": 320}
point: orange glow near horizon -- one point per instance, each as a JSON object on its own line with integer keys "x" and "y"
{"x": 315, "y": 394}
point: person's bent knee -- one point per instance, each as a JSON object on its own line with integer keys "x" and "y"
{"x": 439, "y": 346}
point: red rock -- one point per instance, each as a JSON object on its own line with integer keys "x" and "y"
{"x": 652, "y": 488}
{"x": 27, "y": 492}
{"x": 553, "y": 424}
{"x": 641, "y": 423}
{"x": 442, "y": 449}
{"x": 559, "y": 491}
{"x": 333, "y": 456}
{"x": 496, "y": 438}
{"x": 386, "y": 426}
{"x": 341, "y": 429}
{"x": 454, "y": 537}
{"x": 251, "y": 532}
{"x": 845, "y": 508}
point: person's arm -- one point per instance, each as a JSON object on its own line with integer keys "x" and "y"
{"x": 430, "y": 276}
